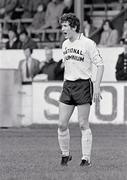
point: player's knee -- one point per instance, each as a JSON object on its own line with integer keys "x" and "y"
{"x": 62, "y": 126}
{"x": 83, "y": 125}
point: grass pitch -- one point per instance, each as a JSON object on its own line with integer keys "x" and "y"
{"x": 32, "y": 153}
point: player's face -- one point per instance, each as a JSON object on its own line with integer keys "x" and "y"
{"x": 67, "y": 30}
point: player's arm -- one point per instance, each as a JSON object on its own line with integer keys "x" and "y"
{"x": 98, "y": 61}
{"x": 99, "y": 75}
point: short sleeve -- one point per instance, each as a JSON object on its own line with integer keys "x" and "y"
{"x": 63, "y": 50}
{"x": 94, "y": 54}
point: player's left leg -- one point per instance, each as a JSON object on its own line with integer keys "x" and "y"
{"x": 86, "y": 139}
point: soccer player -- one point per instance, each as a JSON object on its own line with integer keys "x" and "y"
{"x": 79, "y": 54}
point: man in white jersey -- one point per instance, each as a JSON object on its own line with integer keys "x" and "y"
{"x": 79, "y": 54}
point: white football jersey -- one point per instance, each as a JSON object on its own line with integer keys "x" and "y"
{"x": 78, "y": 57}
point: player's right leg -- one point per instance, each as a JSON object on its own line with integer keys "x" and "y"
{"x": 86, "y": 138}
{"x": 65, "y": 112}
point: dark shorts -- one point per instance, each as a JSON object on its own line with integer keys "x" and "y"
{"x": 77, "y": 92}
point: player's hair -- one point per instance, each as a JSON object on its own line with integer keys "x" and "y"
{"x": 72, "y": 19}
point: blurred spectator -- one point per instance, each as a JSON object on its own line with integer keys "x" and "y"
{"x": 13, "y": 42}
{"x": 118, "y": 5}
{"x": 1, "y": 32}
{"x": 27, "y": 41}
{"x": 121, "y": 65}
{"x": 50, "y": 67}
{"x": 33, "y": 5}
{"x": 2, "y": 43}
{"x": 59, "y": 70}
{"x": 29, "y": 7}
{"x": 53, "y": 12}
{"x": 69, "y": 6}
{"x": 38, "y": 19}
{"x": 109, "y": 35}
{"x": 88, "y": 26}
{"x": 24, "y": 5}
{"x": 124, "y": 33}
{"x": 45, "y": 2}
{"x": 7, "y": 8}
{"x": 28, "y": 67}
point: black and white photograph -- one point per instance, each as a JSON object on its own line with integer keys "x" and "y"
{"x": 63, "y": 89}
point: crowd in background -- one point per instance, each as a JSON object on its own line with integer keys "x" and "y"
{"x": 44, "y": 14}
{"x": 41, "y": 15}
{"x": 47, "y": 69}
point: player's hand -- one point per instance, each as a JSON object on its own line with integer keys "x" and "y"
{"x": 97, "y": 95}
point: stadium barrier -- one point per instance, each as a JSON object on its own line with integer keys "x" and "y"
{"x": 111, "y": 109}
{"x": 10, "y": 101}
{"x": 38, "y": 104}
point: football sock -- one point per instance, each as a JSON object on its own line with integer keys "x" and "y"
{"x": 86, "y": 142}
{"x": 64, "y": 141}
